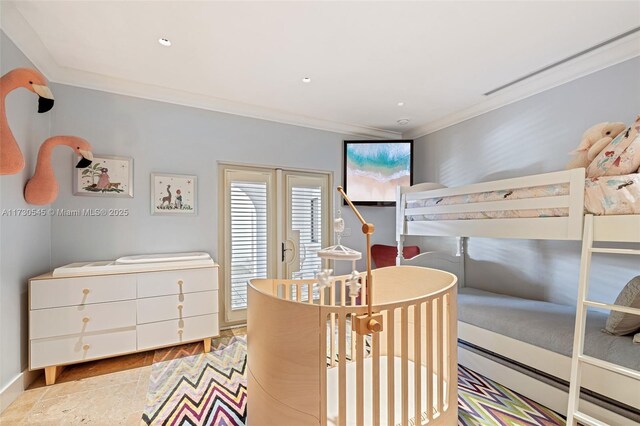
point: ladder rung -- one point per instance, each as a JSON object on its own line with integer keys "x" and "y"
{"x": 619, "y": 308}
{"x": 610, "y": 366}
{"x": 588, "y": 420}
{"x": 615, "y": 251}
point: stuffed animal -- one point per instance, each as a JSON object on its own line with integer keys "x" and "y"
{"x": 621, "y": 156}
{"x": 42, "y": 188}
{"x": 594, "y": 140}
{"x": 11, "y": 159}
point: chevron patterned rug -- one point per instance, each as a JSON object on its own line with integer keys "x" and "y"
{"x": 188, "y": 387}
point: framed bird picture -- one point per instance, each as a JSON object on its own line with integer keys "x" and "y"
{"x": 174, "y": 195}
{"x": 106, "y": 176}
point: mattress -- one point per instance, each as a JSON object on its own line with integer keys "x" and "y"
{"x": 606, "y": 195}
{"x": 544, "y": 324}
{"x": 332, "y": 387}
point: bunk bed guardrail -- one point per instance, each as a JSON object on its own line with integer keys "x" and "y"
{"x": 567, "y": 227}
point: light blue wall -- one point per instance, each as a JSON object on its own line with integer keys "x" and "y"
{"x": 169, "y": 138}
{"x": 24, "y": 241}
{"x": 529, "y": 137}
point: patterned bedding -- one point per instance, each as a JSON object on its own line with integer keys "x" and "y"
{"x": 605, "y": 195}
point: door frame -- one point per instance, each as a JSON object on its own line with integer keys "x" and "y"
{"x": 279, "y": 224}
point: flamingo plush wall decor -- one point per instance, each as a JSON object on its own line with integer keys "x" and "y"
{"x": 11, "y": 159}
{"x": 42, "y": 188}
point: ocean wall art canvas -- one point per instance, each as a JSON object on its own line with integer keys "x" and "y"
{"x": 373, "y": 170}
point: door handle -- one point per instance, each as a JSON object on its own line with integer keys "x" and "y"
{"x": 284, "y": 250}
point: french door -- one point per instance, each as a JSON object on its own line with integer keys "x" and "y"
{"x": 274, "y": 222}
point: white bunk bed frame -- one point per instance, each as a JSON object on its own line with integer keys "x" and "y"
{"x": 601, "y": 380}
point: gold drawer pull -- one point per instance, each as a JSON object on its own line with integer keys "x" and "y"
{"x": 180, "y": 307}
{"x": 180, "y": 331}
{"x": 86, "y": 347}
{"x": 180, "y": 282}
{"x": 85, "y": 320}
{"x": 85, "y": 291}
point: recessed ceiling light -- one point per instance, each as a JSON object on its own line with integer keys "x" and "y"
{"x": 403, "y": 121}
{"x": 165, "y": 42}
{"x": 306, "y": 80}
{"x": 400, "y": 103}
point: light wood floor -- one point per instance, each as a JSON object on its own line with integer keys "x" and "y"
{"x": 106, "y": 392}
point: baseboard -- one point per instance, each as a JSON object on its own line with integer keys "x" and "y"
{"x": 543, "y": 393}
{"x": 14, "y": 389}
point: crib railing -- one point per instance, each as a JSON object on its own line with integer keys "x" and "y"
{"x": 405, "y": 374}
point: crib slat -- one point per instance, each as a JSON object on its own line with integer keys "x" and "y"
{"x": 391, "y": 395}
{"x": 404, "y": 349}
{"x": 359, "y": 379}
{"x": 375, "y": 373}
{"x": 417, "y": 363}
{"x": 299, "y": 292}
{"x": 429, "y": 361}
{"x": 343, "y": 295}
{"x": 440, "y": 355}
{"x": 342, "y": 371}
{"x": 332, "y": 344}
{"x": 323, "y": 372}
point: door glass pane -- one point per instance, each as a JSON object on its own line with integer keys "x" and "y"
{"x": 248, "y": 238}
{"x": 306, "y": 217}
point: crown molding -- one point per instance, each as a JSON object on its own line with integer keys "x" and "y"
{"x": 597, "y": 60}
{"x": 22, "y": 34}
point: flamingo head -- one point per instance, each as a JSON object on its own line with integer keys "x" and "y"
{"x": 37, "y": 83}
{"x": 34, "y": 81}
{"x": 82, "y": 148}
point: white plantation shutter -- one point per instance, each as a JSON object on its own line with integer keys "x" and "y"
{"x": 306, "y": 217}
{"x": 249, "y": 245}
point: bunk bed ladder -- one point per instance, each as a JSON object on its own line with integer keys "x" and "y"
{"x": 574, "y": 415}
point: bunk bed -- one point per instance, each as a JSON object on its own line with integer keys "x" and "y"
{"x": 527, "y": 344}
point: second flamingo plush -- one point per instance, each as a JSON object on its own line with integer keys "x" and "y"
{"x": 42, "y": 188}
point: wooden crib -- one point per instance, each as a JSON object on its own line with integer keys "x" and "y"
{"x": 307, "y": 367}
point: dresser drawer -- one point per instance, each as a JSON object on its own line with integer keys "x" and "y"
{"x": 173, "y": 332}
{"x": 163, "y": 283}
{"x": 69, "y": 349}
{"x": 81, "y": 319}
{"x": 175, "y": 306}
{"x": 55, "y": 293}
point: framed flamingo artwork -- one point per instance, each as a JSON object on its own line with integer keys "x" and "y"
{"x": 106, "y": 176}
{"x": 174, "y": 195}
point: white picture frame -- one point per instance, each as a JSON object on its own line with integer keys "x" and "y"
{"x": 107, "y": 176}
{"x": 174, "y": 195}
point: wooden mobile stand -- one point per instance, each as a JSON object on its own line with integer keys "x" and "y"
{"x": 370, "y": 322}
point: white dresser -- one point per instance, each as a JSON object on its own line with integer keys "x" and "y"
{"x": 87, "y": 311}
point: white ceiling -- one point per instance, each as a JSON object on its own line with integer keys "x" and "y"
{"x": 249, "y": 58}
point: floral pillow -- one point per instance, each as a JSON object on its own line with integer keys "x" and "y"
{"x": 621, "y": 156}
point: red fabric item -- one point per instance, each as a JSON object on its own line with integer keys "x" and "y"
{"x": 386, "y": 255}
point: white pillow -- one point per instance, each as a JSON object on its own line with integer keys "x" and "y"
{"x": 620, "y": 323}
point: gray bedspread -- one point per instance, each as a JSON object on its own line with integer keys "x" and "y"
{"x": 544, "y": 324}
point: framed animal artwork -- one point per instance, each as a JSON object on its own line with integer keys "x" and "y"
{"x": 174, "y": 195}
{"x": 106, "y": 176}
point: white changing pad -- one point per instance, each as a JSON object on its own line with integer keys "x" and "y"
{"x": 332, "y": 391}
{"x": 139, "y": 263}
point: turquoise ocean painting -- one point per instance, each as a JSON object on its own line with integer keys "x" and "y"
{"x": 375, "y": 169}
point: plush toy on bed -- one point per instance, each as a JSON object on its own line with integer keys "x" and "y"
{"x": 594, "y": 140}
{"x": 621, "y": 156}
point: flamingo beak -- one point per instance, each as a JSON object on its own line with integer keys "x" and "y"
{"x": 45, "y": 97}
{"x": 85, "y": 161}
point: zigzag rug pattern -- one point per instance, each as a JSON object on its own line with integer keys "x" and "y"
{"x": 211, "y": 389}
{"x": 202, "y": 389}
{"x": 484, "y": 402}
